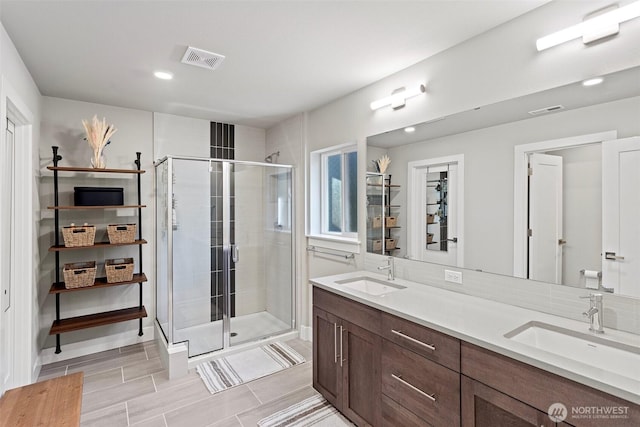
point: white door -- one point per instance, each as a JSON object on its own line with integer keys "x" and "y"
{"x": 545, "y": 218}
{"x": 435, "y": 212}
{"x": 6, "y": 239}
{"x": 620, "y": 215}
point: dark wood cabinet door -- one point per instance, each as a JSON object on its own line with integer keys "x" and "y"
{"x": 483, "y": 406}
{"x": 327, "y": 375}
{"x": 361, "y": 352}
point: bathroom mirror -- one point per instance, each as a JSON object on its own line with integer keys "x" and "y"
{"x": 497, "y": 203}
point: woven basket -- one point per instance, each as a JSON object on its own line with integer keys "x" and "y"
{"x": 390, "y": 243}
{"x": 376, "y": 222}
{"x": 431, "y": 219}
{"x": 429, "y": 237}
{"x": 119, "y": 270}
{"x": 390, "y": 221}
{"x": 78, "y": 235}
{"x": 79, "y": 274}
{"x": 121, "y": 233}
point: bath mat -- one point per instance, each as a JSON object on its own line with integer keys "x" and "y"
{"x": 314, "y": 411}
{"x": 236, "y": 369}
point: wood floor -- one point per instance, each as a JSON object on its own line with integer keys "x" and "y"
{"x": 128, "y": 387}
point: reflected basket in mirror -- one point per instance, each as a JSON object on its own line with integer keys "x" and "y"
{"x": 374, "y": 245}
{"x": 429, "y": 237}
{"x": 390, "y": 243}
{"x": 78, "y": 235}
{"x": 376, "y": 222}
{"x": 390, "y": 221}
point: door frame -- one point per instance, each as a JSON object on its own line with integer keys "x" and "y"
{"x": 414, "y": 169}
{"x": 23, "y": 327}
{"x": 520, "y": 191}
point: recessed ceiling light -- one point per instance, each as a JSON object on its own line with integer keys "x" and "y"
{"x": 410, "y": 129}
{"x": 163, "y": 75}
{"x": 592, "y": 82}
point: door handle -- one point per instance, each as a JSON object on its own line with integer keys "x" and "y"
{"x": 613, "y": 256}
{"x": 341, "y": 331}
{"x": 562, "y": 242}
{"x": 235, "y": 253}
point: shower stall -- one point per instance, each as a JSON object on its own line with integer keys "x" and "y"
{"x": 224, "y": 252}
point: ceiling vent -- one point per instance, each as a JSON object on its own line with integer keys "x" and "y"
{"x": 546, "y": 110}
{"x": 202, "y": 58}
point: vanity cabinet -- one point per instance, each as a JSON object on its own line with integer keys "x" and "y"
{"x": 483, "y": 406}
{"x": 498, "y": 390}
{"x": 346, "y": 356}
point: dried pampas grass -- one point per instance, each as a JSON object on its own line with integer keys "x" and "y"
{"x": 98, "y": 135}
{"x": 383, "y": 163}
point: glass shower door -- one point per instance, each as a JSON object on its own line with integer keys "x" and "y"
{"x": 259, "y": 248}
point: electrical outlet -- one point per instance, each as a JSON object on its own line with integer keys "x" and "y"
{"x": 453, "y": 276}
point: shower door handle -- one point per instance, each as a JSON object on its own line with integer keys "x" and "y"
{"x": 235, "y": 254}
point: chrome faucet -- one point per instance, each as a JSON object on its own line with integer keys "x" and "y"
{"x": 390, "y": 267}
{"x": 595, "y": 313}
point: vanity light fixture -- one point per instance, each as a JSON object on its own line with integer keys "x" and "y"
{"x": 592, "y": 82}
{"x": 410, "y": 129}
{"x": 398, "y": 97}
{"x": 593, "y": 28}
{"x": 163, "y": 75}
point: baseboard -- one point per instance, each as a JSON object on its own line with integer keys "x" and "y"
{"x": 35, "y": 370}
{"x": 83, "y": 348}
{"x": 306, "y": 333}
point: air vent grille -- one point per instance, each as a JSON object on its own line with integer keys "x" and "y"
{"x": 202, "y": 58}
{"x": 547, "y": 110}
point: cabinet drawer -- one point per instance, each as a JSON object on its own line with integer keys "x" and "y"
{"x": 394, "y": 415}
{"x": 427, "y": 389}
{"x": 359, "y": 314}
{"x": 431, "y": 344}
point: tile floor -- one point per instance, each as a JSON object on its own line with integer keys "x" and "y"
{"x": 128, "y": 387}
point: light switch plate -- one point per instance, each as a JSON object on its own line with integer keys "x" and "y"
{"x": 453, "y": 276}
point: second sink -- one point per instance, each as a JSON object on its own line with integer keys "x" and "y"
{"x": 608, "y": 355}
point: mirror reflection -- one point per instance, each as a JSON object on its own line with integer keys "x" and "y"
{"x": 541, "y": 187}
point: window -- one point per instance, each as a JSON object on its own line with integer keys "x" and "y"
{"x": 339, "y": 192}
{"x": 333, "y": 202}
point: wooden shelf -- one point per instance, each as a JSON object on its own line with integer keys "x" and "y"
{"x": 101, "y": 282}
{"x": 98, "y": 245}
{"x": 72, "y": 169}
{"x": 96, "y": 207}
{"x": 386, "y": 185}
{"x": 97, "y": 319}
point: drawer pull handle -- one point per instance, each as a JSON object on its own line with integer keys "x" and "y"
{"x": 431, "y": 397}
{"x": 413, "y": 340}
{"x": 335, "y": 343}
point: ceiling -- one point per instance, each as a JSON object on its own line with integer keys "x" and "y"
{"x": 282, "y": 57}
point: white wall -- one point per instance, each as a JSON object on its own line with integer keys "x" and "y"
{"x": 249, "y": 143}
{"x": 61, "y": 125}
{"x": 178, "y": 135}
{"x": 499, "y": 64}
{"x": 17, "y": 87}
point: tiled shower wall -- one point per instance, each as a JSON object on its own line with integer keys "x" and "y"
{"x": 222, "y": 147}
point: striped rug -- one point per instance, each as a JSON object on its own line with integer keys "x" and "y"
{"x": 314, "y": 411}
{"x": 236, "y": 369}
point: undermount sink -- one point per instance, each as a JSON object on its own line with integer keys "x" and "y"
{"x": 611, "y": 356}
{"x": 370, "y": 285}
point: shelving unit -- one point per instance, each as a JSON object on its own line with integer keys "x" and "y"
{"x": 62, "y": 325}
{"x": 379, "y": 188}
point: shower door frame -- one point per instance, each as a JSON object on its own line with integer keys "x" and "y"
{"x": 227, "y": 246}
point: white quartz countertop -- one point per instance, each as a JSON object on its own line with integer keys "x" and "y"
{"x": 484, "y": 323}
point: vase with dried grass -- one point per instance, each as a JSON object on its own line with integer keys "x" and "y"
{"x": 98, "y": 135}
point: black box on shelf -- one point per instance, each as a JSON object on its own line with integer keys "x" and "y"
{"x": 98, "y": 196}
